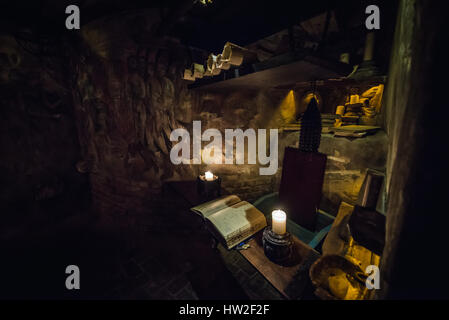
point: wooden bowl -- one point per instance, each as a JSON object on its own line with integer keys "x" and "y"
{"x": 326, "y": 266}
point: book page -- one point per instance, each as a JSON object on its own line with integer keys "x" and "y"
{"x": 238, "y": 222}
{"x": 209, "y": 208}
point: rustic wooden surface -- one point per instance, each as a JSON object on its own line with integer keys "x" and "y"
{"x": 289, "y": 280}
{"x": 310, "y": 68}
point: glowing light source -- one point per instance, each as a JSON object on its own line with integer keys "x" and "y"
{"x": 209, "y": 176}
{"x": 279, "y": 221}
{"x": 309, "y": 97}
{"x": 205, "y": 2}
{"x": 288, "y": 107}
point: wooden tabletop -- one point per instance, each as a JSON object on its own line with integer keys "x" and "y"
{"x": 290, "y": 280}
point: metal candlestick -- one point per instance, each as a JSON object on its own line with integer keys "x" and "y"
{"x": 277, "y": 247}
{"x": 209, "y": 189}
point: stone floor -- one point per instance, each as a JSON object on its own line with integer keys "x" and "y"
{"x": 169, "y": 256}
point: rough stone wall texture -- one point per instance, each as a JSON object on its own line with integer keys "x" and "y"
{"x": 128, "y": 95}
{"x": 240, "y": 110}
{"x": 347, "y": 162}
{"x": 38, "y": 135}
{"x": 346, "y": 166}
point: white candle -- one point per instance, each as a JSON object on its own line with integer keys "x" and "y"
{"x": 209, "y": 176}
{"x": 279, "y": 221}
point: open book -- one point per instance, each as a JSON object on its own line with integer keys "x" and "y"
{"x": 230, "y": 219}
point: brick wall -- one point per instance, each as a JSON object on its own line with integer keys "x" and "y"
{"x": 129, "y": 95}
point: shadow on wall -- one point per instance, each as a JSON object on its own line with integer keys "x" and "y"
{"x": 39, "y": 142}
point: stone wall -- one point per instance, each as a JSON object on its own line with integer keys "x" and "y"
{"x": 240, "y": 110}
{"x": 347, "y": 163}
{"x": 348, "y": 159}
{"x": 39, "y": 182}
{"x": 129, "y": 95}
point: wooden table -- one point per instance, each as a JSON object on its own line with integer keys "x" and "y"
{"x": 290, "y": 280}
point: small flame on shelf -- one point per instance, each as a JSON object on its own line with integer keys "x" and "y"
{"x": 209, "y": 176}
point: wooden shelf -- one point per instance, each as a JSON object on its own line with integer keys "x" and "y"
{"x": 343, "y": 81}
{"x": 280, "y": 71}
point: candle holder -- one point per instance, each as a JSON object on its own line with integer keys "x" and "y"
{"x": 277, "y": 247}
{"x": 209, "y": 189}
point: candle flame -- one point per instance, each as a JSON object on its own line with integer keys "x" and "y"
{"x": 208, "y": 175}
{"x": 279, "y": 215}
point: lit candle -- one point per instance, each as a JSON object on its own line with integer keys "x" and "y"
{"x": 209, "y": 176}
{"x": 279, "y": 220}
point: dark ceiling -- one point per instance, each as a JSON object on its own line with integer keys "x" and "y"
{"x": 242, "y": 22}
{"x": 206, "y": 27}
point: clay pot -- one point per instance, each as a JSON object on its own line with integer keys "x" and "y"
{"x": 233, "y": 54}
{"x": 212, "y": 65}
{"x": 222, "y": 63}
{"x": 323, "y": 268}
